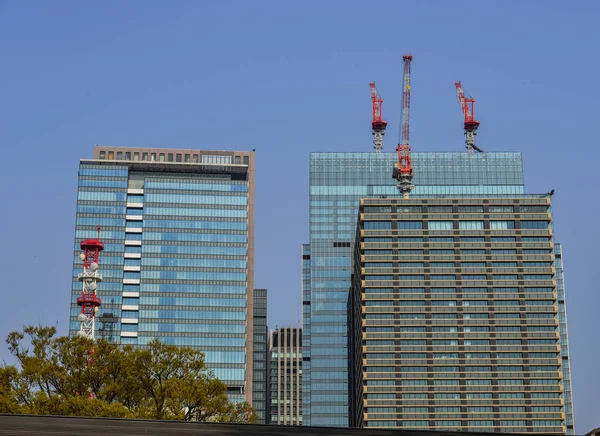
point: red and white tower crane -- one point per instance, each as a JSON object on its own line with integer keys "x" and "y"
{"x": 471, "y": 125}
{"x": 89, "y": 301}
{"x": 378, "y": 123}
{"x": 403, "y": 171}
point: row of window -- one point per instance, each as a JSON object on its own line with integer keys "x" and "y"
{"x": 463, "y": 277}
{"x": 462, "y": 251}
{"x": 454, "y": 290}
{"x": 195, "y": 185}
{"x": 454, "y": 264}
{"x": 483, "y": 315}
{"x": 468, "y": 409}
{"x": 449, "y": 225}
{"x": 241, "y": 200}
{"x": 457, "y": 396}
{"x": 451, "y": 209}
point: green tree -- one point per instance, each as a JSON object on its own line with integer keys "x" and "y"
{"x": 78, "y": 377}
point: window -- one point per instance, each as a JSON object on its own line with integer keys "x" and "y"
{"x": 511, "y": 329}
{"x": 503, "y": 239}
{"x": 535, "y": 251}
{"x": 538, "y": 276}
{"x": 246, "y": 160}
{"x": 471, "y": 209}
{"x": 111, "y": 155}
{"x": 502, "y": 225}
{"x": 238, "y": 160}
{"x": 440, "y": 225}
{"x": 475, "y": 315}
{"x": 136, "y": 156}
{"x": 474, "y": 277}
{"x": 500, "y": 290}
{"x": 504, "y": 251}
{"x": 170, "y": 157}
{"x": 507, "y": 315}
{"x": 474, "y": 303}
{"x": 412, "y": 382}
{"x": 127, "y": 155}
{"x": 443, "y": 316}
{"x": 475, "y": 329}
{"x": 480, "y": 409}
{"x": 409, "y": 225}
{"x": 472, "y": 264}
{"x": 442, "y": 277}
{"x": 102, "y": 155}
{"x": 406, "y": 329}
{"x": 441, "y": 264}
{"x": 144, "y": 156}
{"x": 470, "y": 225}
{"x": 504, "y": 264}
{"x": 478, "y": 356}
{"x": 443, "y": 303}
{"x": 441, "y": 239}
{"x": 178, "y": 157}
{"x": 506, "y": 302}
{"x": 378, "y": 209}
{"x": 471, "y": 251}
{"x": 411, "y": 277}
{"x": 153, "y": 157}
{"x": 505, "y": 209}
{"x": 534, "y": 209}
{"x": 443, "y": 290}
{"x": 161, "y": 157}
{"x": 377, "y": 225}
{"x": 534, "y": 224}
{"x": 187, "y": 158}
{"x": 512, "y": 381}
{"x": 446, "y": 356}
{"x": 478, "y": 382}
{"x": 196, "y": 158}
{"x": 508, "y": 341}
{"x": 439, "y": 209}
{"x": 441, "y": 251}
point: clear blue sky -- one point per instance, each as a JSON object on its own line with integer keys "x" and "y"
{"x": 288, "y": 78}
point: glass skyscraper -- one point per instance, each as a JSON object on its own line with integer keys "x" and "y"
{"x": 337, "y": 182}
{"x": 178, "y": 263}
{"x": 454, "y": 316}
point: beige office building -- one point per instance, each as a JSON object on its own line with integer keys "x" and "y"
{"x": 455, "y": 315}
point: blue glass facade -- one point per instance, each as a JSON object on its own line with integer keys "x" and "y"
{"x": 177, "y": 263}
{"x": 564, "y": 338}
{"x": 337, "y": 182}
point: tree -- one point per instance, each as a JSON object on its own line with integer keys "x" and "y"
{"x": 75, "y": 376}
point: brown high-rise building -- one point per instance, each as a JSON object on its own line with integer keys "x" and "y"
{"x": 455, "y": 311}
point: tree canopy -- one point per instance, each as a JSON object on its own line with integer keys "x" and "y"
{"x": 59, "y": 376}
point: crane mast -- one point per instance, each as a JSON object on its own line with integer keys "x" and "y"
{"x": 403, "y": 171}
{"x": 378, "y": 123}
{"x": 467, "y": 105}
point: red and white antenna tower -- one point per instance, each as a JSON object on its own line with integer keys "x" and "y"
{"x": 89, "y": 301}
{"x": 403, "y": 168}
{"x": 378, "y": 123}
{"x": 467, "y": 105}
